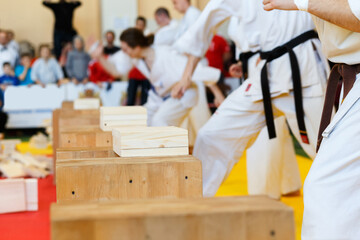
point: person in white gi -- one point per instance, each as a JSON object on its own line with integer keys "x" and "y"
{"x": 191, "y": 14}
{"x": 332, "y": 187}
{"x": 164, "y": 67}
{"x": 223, "y": 139}
{"x": 272, "y": 168}
{"x": 165, "y": 34}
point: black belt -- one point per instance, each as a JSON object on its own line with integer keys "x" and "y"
{"x": 340, "y": 73}
{"x": 296, "y": 77}
{"x": 244, "y": 58}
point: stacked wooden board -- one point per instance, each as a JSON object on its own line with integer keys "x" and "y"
{"x": 147, "y": 186}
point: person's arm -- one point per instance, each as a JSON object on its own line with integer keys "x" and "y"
{"x": 219, "y": 96}
{"x": 58, "y": 71}
{"x": 69, "y": 65}
{"x": 197, "y": 39}
{"x": 22, "y": 76}
{"x": 48, "y": 4}
{"x": 343, "y": 13}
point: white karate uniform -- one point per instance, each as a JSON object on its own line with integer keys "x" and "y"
{"x": 191, "y": 15}
{"x": 272, "y": 168}
{"x": 167, "y": 69}
{"x": 166, "y": 35}
{"x": 332, "y": 187}
{"x": 238, "y": 121}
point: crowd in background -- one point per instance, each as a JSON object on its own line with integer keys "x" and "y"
{"x": 67, "y": 60}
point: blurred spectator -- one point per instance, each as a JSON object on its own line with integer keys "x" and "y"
{"x": 136, "y": 78}
{"x": 218, "y": 53}
{"x": 23, "y": 71}
{"x": 165, "y": 35}
{"x": 110, "y": 48}
{"x": 63, "y": 30}
{"x": 12, "y": 43}
{"x": 46, "y": 69}
{"x": 77, "y": 62}
{"x": 97, "y": 73}
{"x": 7, "y": 53}
{"x": 190, "y": 15}
{"x": 26, "y": 48}
{"x": 63, "y": 58}
{"x": 8, "y": 78}
{"x": 141, "y": 24}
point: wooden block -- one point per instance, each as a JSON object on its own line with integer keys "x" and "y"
{"x": 67, "y": 105}
{"x": 65, "y": 154}
{"x": 234, "y": 218}
{"x": 150, "y": 141}
{"x": 112, "y": 117}
{"x": 18, "y": 195}
{"x": 86, "y": 103}
{"x": 12, "y": 169}
{"x": 104, "y": 179}
{"x": 31, "y": 191}
{"x": 89, "y": 139}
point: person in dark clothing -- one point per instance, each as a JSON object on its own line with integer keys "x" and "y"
{"x": 110, "y": 48}
{"x": 63, "y": 30}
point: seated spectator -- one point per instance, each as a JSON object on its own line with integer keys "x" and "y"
{"x": 8, "y": 78}
{"x": 46, "y": 69}
{"x": 7, "y": 53}
{"x": 77, "y": 62}
{"x": 110, "y": 48}
{"x": 23, "y": 71}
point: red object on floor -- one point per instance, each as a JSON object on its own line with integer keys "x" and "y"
{"x": 31, "y": 225}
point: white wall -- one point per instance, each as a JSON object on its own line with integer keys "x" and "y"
{"x": 117, "y": 15}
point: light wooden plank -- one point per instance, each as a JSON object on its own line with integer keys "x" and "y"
{"x": 153, "y": 152}
{"x": 234, "y": 218}
{"x": 111, "y": 117}
{"x": 13, "y": 195}
{"x": 31, "y": 190}
{"x": 105, "y": 179}
{"x": 86, "y": 103}
{"x": 150, "y": 138}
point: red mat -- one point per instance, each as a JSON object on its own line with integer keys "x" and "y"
{"x": 31, "y": 225}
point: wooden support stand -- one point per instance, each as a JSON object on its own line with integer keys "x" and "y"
{"x": 85, "y": 138}
{"x": 236, "y": 218}
{"x": 66, "y": 154}
{"x": 104, "y": 179}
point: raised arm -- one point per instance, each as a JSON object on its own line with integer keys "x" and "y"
{"x": 343, "y": 13}
{"x": 196, "y": 41}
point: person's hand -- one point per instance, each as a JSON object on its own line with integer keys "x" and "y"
{"x": 85, "y": 81}
{"x": 180, "y": 88}
{"x": 236, "y": 70}
{"x": 98, "y": 52}
{"x": 3, "y": 87}
{"x": 279, "y": 4}
{"x": 41, "y": 84}
{"x": 75, "y": 81}
{"x": 100, "y": 84}
{"x": 219, "y": 100}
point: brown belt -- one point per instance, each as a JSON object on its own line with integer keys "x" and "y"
{"x": 341, "y": 73}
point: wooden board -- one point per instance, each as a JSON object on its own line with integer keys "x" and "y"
{"x": 89, "y": 139}
{"x": 104, "y": 179}
{"x": 234, "y": 218}
{"x": 150, "y": 141}
{"x": 129, "y": 116}
{"x": 86, "y": 103}
{"x": 65, "y": 154}
{"x": 18, "y": 195}
{"x": 67, "y": 105}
